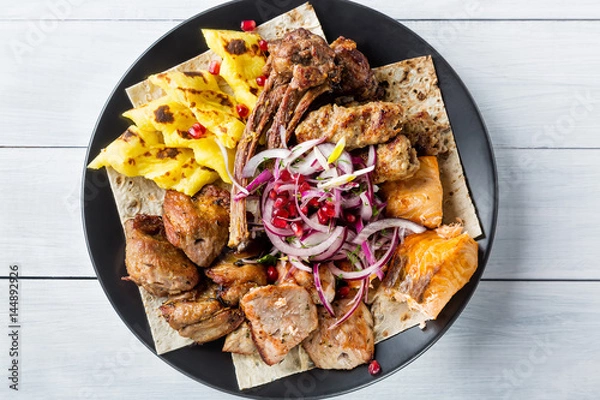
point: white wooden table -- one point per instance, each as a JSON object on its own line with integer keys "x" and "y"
{"x": 532, "y": 329}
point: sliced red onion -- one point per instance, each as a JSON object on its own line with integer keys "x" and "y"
{"x": 385, "y": 224}
{"x": 253, "y": 164}
{"x": 333, "y": 249}
{"x": 366, "y": 211}
{"x": 355, "y": 304}
{"x": 299, "y": 264}
{"x": 320, "y": 291}
{"x": 285, "y": 248}
{"x": 343, "y": 179}
{"x": 321, "y": 158}
{"x": 229, "y": 174}
{"x": 300, "y": 149}
{"x": 371, "y": 157}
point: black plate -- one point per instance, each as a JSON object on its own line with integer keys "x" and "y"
{"x": 383, "y": 40}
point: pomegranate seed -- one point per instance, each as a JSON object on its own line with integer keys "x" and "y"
{"x": 272, "y": 194}
{"x": 242, "y": 110}
{"x": 263, "y": 45}
{"x": 214, "y": 67}
{"x": 343, "y": 292}
{"x": 323, "y": 219}
{"x": 272, "y": 274}
{"x": 314, "y": 202}
{"x": 304, "y": 210}
{"x": 281, "y": 213}
{"x": 350, "y": 218}
{"x": 328, "y": 210}
{"x": 300, "y": 178}
{"x": 280, "y": 202}
{"x": 297, "y": 228}
{"x": 285, "y": 175}
{"x": 260, "y": 81}
{"x": 197, "y": 131}
{"x": 279, "y": 223}
{"x": 248, "y": 25}
{"x": 292, "y": 210}
{"x": 304, "y": 187}
{"x": 374, "y": 367}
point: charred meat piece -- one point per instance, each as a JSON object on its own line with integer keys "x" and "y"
{"x": 240, "y": 341}
{"x": 200, "y": 316}
{"x": 345, "y": 346}
{"x": 236, "y": 280}
{"x": 300, "y": 68}
{"x": 198, "y": 225}
{"x": 357, "y": 77}
{"x": 154, "y": 263}
{"x": 428, "y": 136}
{"x": 360, "y": 126}
{"x": 396, "y": 160}
{"x": 280, "y": 317}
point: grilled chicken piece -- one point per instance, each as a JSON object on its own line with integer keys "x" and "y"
{"x": 200, "y": 316}
{"x": 154, "y": 263}
{"x": 360, "y": 126}
{"x": 240, "y": 341}
{"x": 290, "y": 275}
{"x": 199, "y": 225}
{"x": 280, "y": 317}
{"x": 345, "y": 346}
{"x": 419, "y": 198}
{"x": 236, "y": 280}
{"x": 396, "y": 160}
{"x": 357, "y": 77}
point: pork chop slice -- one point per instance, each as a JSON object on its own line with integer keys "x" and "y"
{"x": 280, "y": 318}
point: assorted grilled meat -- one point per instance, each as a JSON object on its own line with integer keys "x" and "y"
{"x": 200, "y": 316}
{"x": 233, "y": 299}
{"x": 152, "y": 262}
{"x": 199, "y": 225}
{"x": 345, "y": 346}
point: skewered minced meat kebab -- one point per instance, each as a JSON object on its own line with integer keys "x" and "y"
{"x": 154, "y": 263}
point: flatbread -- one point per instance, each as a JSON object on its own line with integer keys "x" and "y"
{"x": 414, "y": 84}
{"x": 138, "y": 195}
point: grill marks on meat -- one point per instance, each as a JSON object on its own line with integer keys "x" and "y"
{"x": 199, "y": 225}
{"x": 346, "y": 346}
{"x": 360, "y": 126}
{"x": 357, "y": 77}
{"x": 236, "y": 280}
{"x": 199, "y": 315}
{"x": 280, "y": 317}
{"x": 154, "y": 263}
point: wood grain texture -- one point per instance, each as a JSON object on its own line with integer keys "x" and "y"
{"x": 538, "y": 92}
{"x": 507, "y": 344}
{"x": 548, "y": 224}
{"x": 409, "y": 9}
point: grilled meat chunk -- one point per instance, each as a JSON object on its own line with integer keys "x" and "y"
{"x": 307, "y": 281}
{"x": 154, "y": 263}
{"x": 200, "y": 316}
{"x": 360, "y": 126}
{"x": 199, "y": 225}
{"x": 357, "y": 77}
{"x": 280, "y": 317}
{"x": 236, "y": 280}
{"x": 240, "y": 341}
{"x": 396, "y": 160}
{"x": 345, "y": 346}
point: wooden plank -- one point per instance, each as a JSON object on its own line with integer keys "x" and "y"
{"x": 410, "y": 9}
{"x": 527, "y": 340}
{"x": 531, "y": 94}
{"x": 548, "y": 221}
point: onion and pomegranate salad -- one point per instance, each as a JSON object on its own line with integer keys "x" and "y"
{"x": 319, "y": 206}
